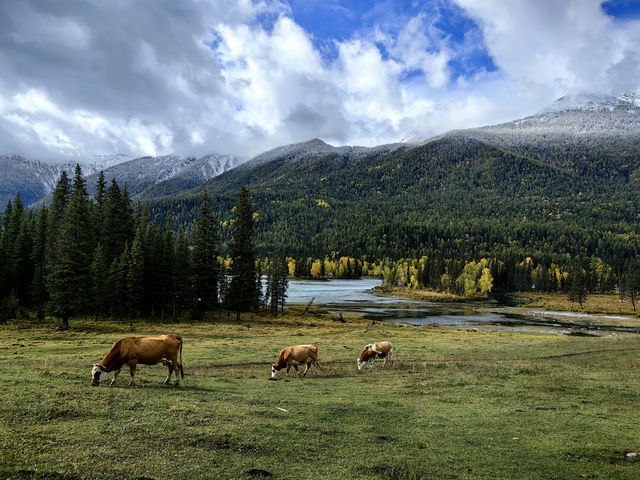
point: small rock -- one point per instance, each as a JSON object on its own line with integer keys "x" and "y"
{"x": 632, "y": 454}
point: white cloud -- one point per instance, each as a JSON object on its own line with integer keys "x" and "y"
{"x": 155, "y": 77}
{"x": 559, "y": 46}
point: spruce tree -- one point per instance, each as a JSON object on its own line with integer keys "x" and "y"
{"x": 39, "y": 294}
{"x": 277, "y": 283}
{"x": 135, "y": 277}
{"x": 205, "y": 259}
{"x": 577, "y": 285}
{"x": 59, "y": 204}
{"x": 243, "y": 293}
{"x": 630, "y": 284}
{"x": 117, "y": 226}
{"x": 99, "y": 282}
{"x": 98, "y": 207}
{"x": 181, "y": 274}
{"x": 69, "y": 281}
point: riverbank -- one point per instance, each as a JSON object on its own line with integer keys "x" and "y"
{"x": 597, "y": 304}
{"x": 603, "y": 304}
{"x": 425, "y": 295}
{"x": 455, "y": 404}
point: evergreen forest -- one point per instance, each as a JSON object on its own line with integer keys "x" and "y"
{"x": 455, "y": 215}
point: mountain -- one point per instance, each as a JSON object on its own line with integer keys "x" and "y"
{"x": 146, "y": 177}
{"x": 194, "y": 173}
{"x": 588, "y": 133}
{"x": 35, "y": 179}
{"x": 312, "y": 150}
{"x": 564, "y": 181}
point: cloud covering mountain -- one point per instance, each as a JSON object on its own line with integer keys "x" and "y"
{"x": 158, "y": 77}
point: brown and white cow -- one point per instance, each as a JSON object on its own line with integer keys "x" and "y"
{"x": 373, "y": 351}
{"x": 145, "y": 350}
{"x": 296, "y": 355}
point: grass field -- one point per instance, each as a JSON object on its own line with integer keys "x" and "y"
{"x": 456, "y": 404}
{"x": 597, "y": 303}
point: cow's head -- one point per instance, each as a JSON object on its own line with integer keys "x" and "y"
{"x": 274, "y": 370}
{"x": 360, "y": 363}
{"x": 97, "y": 375}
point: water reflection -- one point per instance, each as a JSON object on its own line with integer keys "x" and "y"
{"x": 498, "y": 313}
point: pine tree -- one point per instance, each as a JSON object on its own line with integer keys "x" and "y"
{"x": 98, "y": 209}
{"x": 630, "y": 285}
{"x": 181, "y": 274}
{"x": 69, "y": 281}
{"x": 17, "y": 246}
{"x": 577, "y": 287}
{"x": 205, "y": 259}
{"x": 117, "y": 224}
{"x": 135, "y": 277}
{"x": 118, "y": 272}
{"x": 59, "y": 204}
{"x": 243, "y": 293}
{"x": 99, "y": 282}
{"x": 167, "y": 266}
{"x": 39, "y": 294}
{"x": 277, "y": 283}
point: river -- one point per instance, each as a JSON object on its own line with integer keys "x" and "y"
{"x": 356, "y": 296}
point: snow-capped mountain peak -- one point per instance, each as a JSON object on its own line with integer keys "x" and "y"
{"x": 593, "y": 102}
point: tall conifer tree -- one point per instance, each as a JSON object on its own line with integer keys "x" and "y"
{"x": 69, "y": 281}
{"x": 181, "y": 274}
{"x": 39, "y": 294}
{"x": 205, "y": 259}
{"x": 244, "y": 289}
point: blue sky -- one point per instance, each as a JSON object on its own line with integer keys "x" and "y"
{"x": 334, "y": 21}
{"x": 622, "y": 9}
{"x": 152, "y": 77}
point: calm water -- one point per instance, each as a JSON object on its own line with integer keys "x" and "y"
{"x": 357, "y": 296}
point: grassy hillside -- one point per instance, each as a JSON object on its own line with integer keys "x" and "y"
{"x": 455, "y": 404}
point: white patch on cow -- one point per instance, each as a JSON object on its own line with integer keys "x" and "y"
{"x": 373, "y": 347}
{"x": 273, "y": 371}
{"x": 97, "y": 368}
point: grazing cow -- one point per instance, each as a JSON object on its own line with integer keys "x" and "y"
{"x": 146, "y": 350}
{"x": 296, "y": 355}
{"x": 373, "y": 351}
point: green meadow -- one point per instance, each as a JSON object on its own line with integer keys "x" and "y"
{"x": 456, "y": 404}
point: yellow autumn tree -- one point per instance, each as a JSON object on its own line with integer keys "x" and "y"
{"x": 316, "y": 269}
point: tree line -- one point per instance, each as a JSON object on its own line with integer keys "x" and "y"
{"x": 102, "y": 256}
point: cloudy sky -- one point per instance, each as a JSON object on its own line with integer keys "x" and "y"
{"x": 150, "y": 77}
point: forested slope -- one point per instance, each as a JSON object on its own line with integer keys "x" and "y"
{"x": 456, "y": 195}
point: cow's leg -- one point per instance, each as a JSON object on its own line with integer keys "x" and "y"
{"x": 176, "y": 368}
{"x": 132, "y": 369}
{"x": 115, "y": 375}
{"x": 306, "y": 369}
{"x": 384, "y": 363}
{"x": 297, "y": 371}
{"x": 288, "y": 368}
{"x": 372, "y": 361}
{"x": 317, "y": 365}
{"x": 391, "y": 357}
{"x": 169, "y": 364}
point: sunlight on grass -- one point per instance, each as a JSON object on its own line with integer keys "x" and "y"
{"x": 455, "y": 404}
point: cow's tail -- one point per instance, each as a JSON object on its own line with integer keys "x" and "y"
{"x": 180, "y": 364}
